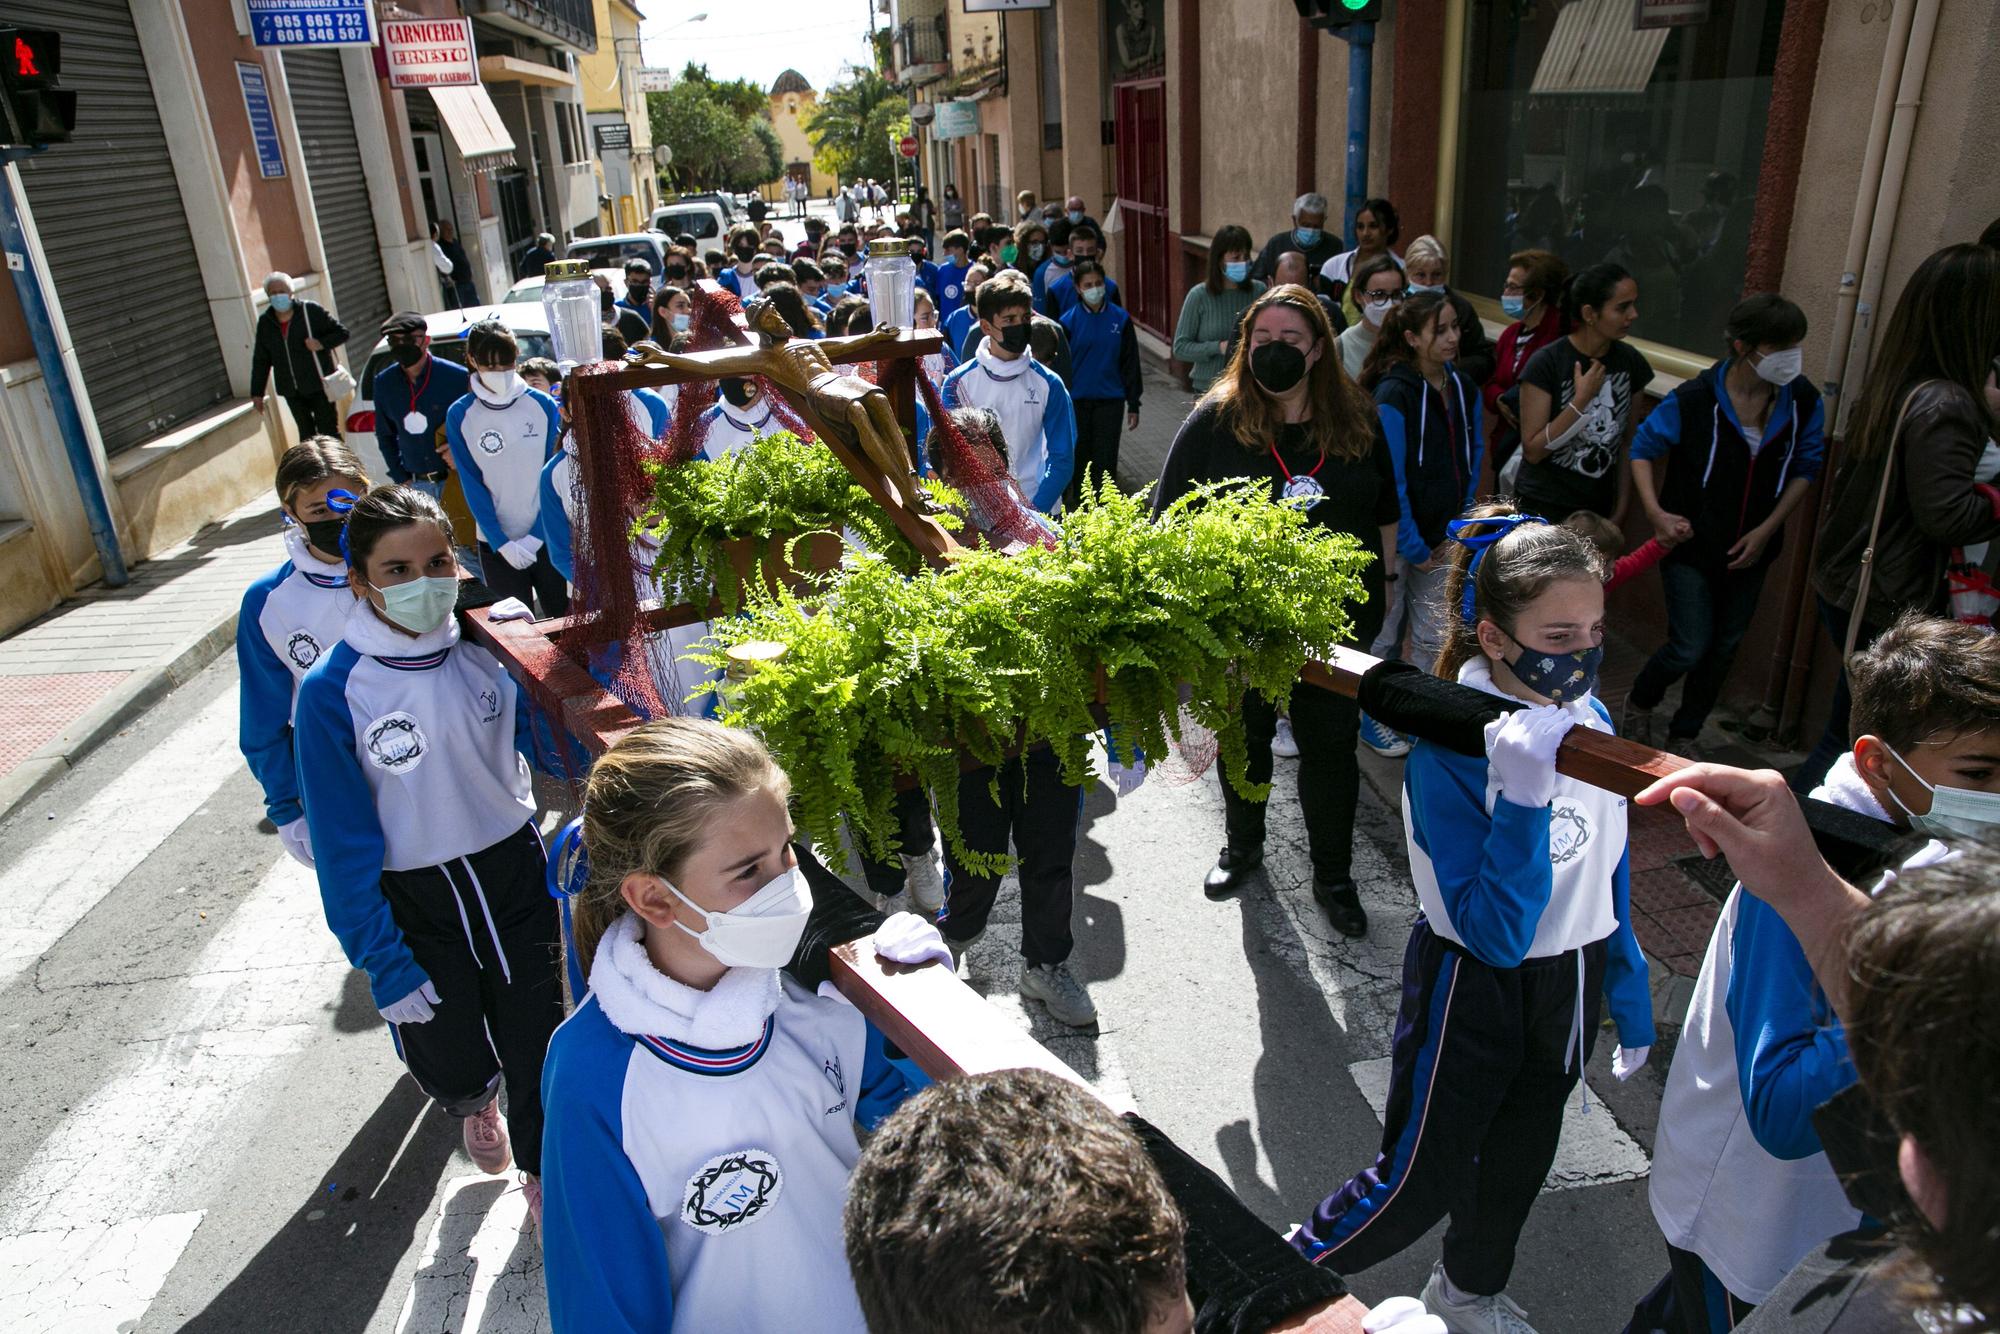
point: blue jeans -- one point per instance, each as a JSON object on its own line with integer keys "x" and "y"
{"x": 1707, "y": 615}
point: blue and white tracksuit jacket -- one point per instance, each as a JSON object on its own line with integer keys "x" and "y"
{"x": 291, "y": 618}
{"x": 1035, "y": 415}
{"x": 500, "y": 446}
{"x": 410, "y": 755}
{"x": 697, "y": 1149}
{"x": 726, "y": 428}
{"x": 1738, "y": 1177}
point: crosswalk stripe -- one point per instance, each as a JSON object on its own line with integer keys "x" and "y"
{"x": 252, "y": 999}
{"x": 86, "y": 1280}
{"x": 55, "y": 884}
{"x": 1595, "y": 1151}
{"x": 482, "y": 1264}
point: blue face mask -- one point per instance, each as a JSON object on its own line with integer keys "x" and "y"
{"x": 1514, "y": 306}
{"x": 1308, "y": 237}
{"x": 281, "y": 302}
{"x": 1562, "y": 677}
{"x": 1075, "y": 216}
{"x": 1417, "y": 289}
{"x": 682, "y": 321}
{"x": 1236, "y": 270}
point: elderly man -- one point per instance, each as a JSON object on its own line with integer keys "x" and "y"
{"x": 294, "y": 342}
{"x": 1291, "y": 268}
{"x": 1073, "y": 212}
{"x": 1308, "y": 236}
{"x": 537, "y": 256}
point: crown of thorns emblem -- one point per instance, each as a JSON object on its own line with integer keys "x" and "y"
{"x": 731, "y": 1191}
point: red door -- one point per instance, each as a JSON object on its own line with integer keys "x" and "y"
{"x": 1140, "y": 127}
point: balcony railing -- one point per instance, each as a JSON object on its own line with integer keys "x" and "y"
{"x": 921, "y": 47}
{"x": 571, "y": 22}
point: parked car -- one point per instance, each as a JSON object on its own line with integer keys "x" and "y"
{"x": 447, "y": 330}
{"x": 530, "y": 289}
{"x": 611, "y": 252}
{"x": 704, "y": 220}
{"x": 731, "y": 205}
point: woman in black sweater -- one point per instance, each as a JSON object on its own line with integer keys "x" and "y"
{"x": 1284, "y": 411}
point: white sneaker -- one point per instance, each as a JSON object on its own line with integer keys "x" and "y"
{"x": 921, "y": 879}
{"x": 1284, "y": 745}
{"x": 1055, "y": 986}
{"x": 960, "y": 948}
{"x": 1476, "y": 1315}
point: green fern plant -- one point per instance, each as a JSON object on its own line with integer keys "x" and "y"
{"x": 890, "y": 674}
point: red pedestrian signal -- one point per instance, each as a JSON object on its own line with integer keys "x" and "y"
{"x": 37, "y": 111}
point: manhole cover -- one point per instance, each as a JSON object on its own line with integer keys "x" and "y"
{"x": 1713, "y": 875}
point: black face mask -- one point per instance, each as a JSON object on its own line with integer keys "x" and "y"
{"x": 640, "y": 290}
{"x": 1015, "y": 337}
{"x": 745, "y": 253}
{"x": 1277, "y": 366}
{"x": 406, "y": 354}
{"x": 850, "y": 247}
{"x": 677, "y": 276}
{"x": 739, "y": 392}
{"x": 324, "y": 534}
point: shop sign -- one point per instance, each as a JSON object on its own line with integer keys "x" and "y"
{"x": 430, "y": 53}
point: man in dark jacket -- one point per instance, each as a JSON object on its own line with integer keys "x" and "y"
{"x": 537, "y": 256}
{"x": 1308, "y": 235}
{"x": 459, "y": 289}
{"x": 412, "y": 394}
{"x": 294, "y": 342}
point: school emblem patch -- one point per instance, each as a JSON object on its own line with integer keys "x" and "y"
{"x": 1569, "y": 834}
{"x": 731, "y": 1190}
{"x": 491, "y": 441}
{"x": 395, "y": 743}
{"x": 489, "y": 706}
{"x": 302, "y": 649}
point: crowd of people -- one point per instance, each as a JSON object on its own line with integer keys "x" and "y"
{"x": 699, "y": 1083}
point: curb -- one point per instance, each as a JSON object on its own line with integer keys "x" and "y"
{"x": 104, "y": 719}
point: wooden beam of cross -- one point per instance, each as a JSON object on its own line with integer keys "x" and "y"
{"x": 870, "y": 428}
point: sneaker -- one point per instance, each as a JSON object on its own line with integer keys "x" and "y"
{"x": 922, "y": 880}
{"x": 1383, "y": 740}
{"x": 531, "y": 1186}
{"x": 1055, "y": 986}
{"x": 1284, "y": 745}
{"x": 486, "y": 1139}
{"x": 1497, "y": 1314}
{"x": 960, "y": 948}
{"x": 1687, "y": 747}
{"x": 1635, "y": 723}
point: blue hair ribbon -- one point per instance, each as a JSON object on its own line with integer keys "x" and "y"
{"x": 1478, "y": 543}
{"x": 340, "y": 502}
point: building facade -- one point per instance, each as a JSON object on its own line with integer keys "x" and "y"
{"x": 621, "y": 133}
{"x": 216, "y": 161}
{"x": 793, "y": 102}
{"x": 1820, "y": 148}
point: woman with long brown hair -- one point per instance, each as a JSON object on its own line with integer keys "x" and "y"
{"x": 1283, "y": 411}
{"x": 1924, "y": 417}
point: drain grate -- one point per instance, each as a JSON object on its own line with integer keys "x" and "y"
{"x": 1713, "y": 876}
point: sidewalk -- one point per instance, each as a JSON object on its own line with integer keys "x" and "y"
{"x": 88, "y": 668}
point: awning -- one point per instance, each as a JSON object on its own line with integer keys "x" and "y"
{"x": 1595, "y": 51}
{"x": 475, "y": 127}
{"x": 513, "y": 69}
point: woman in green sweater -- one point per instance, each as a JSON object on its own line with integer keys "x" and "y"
{"x": 1207, "y": 329}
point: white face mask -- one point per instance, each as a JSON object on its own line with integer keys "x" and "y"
{"x": 1373, "y": 313}
{"x": 1781, "y": 368}
{"x": 500, "y": 385}
{"x": 1956, "y": 812}
{"x": 760, "y": 932}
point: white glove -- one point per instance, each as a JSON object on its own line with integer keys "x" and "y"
{"x": 1127, "y": 777}
{"x": 414, "y": 1008}
{"x": 511, "y": 609}
{"x": 1521, "y": 747}
{"x": 520, "y": 553}
{"x": 293, "y": 836}
{"x": 1628, "y": 1061}
{"x": 906, "y": 938}
{"x": 1404, "y": 1315}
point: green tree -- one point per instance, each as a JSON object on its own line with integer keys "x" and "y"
{"x": 759, "y": 158}
{"x": 850, "y": 128}
{"x": 702, "y": 132}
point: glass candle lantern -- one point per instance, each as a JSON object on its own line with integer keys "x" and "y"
{"x": 575, "y": 312}
{"x": 892, "y": 283}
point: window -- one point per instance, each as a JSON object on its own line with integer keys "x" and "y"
{"x": 1583, "y": 135}
{"x": 569, "y": 127}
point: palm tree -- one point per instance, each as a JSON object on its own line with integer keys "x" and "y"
{"x": 846, "y": 127}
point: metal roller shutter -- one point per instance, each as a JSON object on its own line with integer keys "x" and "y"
{"x": 110, "y": 217}
{"x": 325, "y": 120}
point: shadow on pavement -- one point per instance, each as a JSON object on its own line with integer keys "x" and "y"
{"x": 326, "y": 1270}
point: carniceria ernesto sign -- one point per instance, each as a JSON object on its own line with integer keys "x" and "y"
{"x": 430, "y": 53}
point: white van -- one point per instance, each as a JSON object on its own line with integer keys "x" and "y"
{"x": 699, "y": 219}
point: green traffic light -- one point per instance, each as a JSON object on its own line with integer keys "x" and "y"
{"x": 1354, "y": 5}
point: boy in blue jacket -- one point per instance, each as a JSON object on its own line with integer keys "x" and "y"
{"x": 1032, "y": 404}
{"x": 952, "y": 294}
{"x": 1732, "y": 452}
{"x": 1740, "y": 1187}
{"x": 1104, "y": 374}
{"x": 1086, "y": 246}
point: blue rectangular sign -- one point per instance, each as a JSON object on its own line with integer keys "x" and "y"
{"x": 263, "y": 125}
{"x": 311, "y": 22}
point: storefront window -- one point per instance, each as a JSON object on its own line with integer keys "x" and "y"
{"x": 1584, "y": 134}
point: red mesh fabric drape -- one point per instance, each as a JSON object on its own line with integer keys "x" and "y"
{"x": 996, "y": 512}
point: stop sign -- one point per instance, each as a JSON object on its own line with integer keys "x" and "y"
{"x": 908, "y": 146}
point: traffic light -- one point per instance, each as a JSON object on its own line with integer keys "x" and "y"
{"x": 1339, "y": 13}
{"x": 38, "y": 112}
